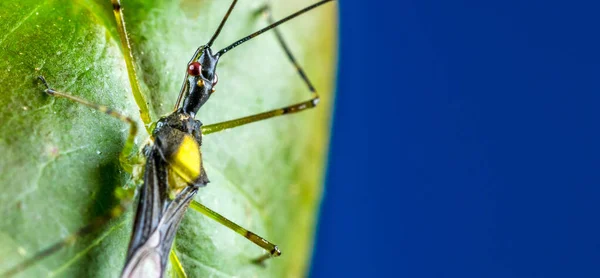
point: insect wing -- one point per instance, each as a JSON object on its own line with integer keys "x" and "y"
{"x": 156, "y": 221}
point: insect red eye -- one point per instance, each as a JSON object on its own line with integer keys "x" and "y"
{"x": 215, "y": 80}
{"x": 194, "y": 69}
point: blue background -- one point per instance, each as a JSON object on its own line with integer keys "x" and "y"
{"x": 465, "y": 141}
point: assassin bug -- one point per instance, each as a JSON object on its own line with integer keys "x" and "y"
{"x": 173, "y": 169}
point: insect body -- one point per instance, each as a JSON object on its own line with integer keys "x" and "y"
{"x": 173, "y": 174}
{"x": 173, "y": 170}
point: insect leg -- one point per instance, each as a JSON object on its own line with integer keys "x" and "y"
{"x": 266, "y": 11}
{"x": 263, "y": 243}
{"x": 176, "y": 264}
{"x": 212, "y": 128}
{"x": 129, "y": 144}
{"x": 130, "y": 63}
{"x": 123, "y": 195}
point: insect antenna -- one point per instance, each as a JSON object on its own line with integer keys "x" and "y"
{"x": 277, "y": 23}
{"x": 214, "y": 37}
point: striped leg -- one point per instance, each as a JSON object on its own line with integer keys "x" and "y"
{"x": 271, "y": 248}
{"x": 266, "y": 11}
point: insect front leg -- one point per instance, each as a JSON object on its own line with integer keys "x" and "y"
{"x": 266, "y": 12}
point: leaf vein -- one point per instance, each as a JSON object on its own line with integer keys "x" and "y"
{"x": 19, "y": 23}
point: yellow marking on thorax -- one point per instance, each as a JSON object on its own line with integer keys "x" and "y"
{"x": 186, "y": 163}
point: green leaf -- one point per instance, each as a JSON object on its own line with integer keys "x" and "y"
{"x": 59, "y": 162}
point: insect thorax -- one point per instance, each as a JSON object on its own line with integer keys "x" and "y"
{"x": 177, "y": 139}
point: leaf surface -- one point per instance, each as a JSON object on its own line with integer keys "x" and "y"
{"x": 60, "y": 160}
